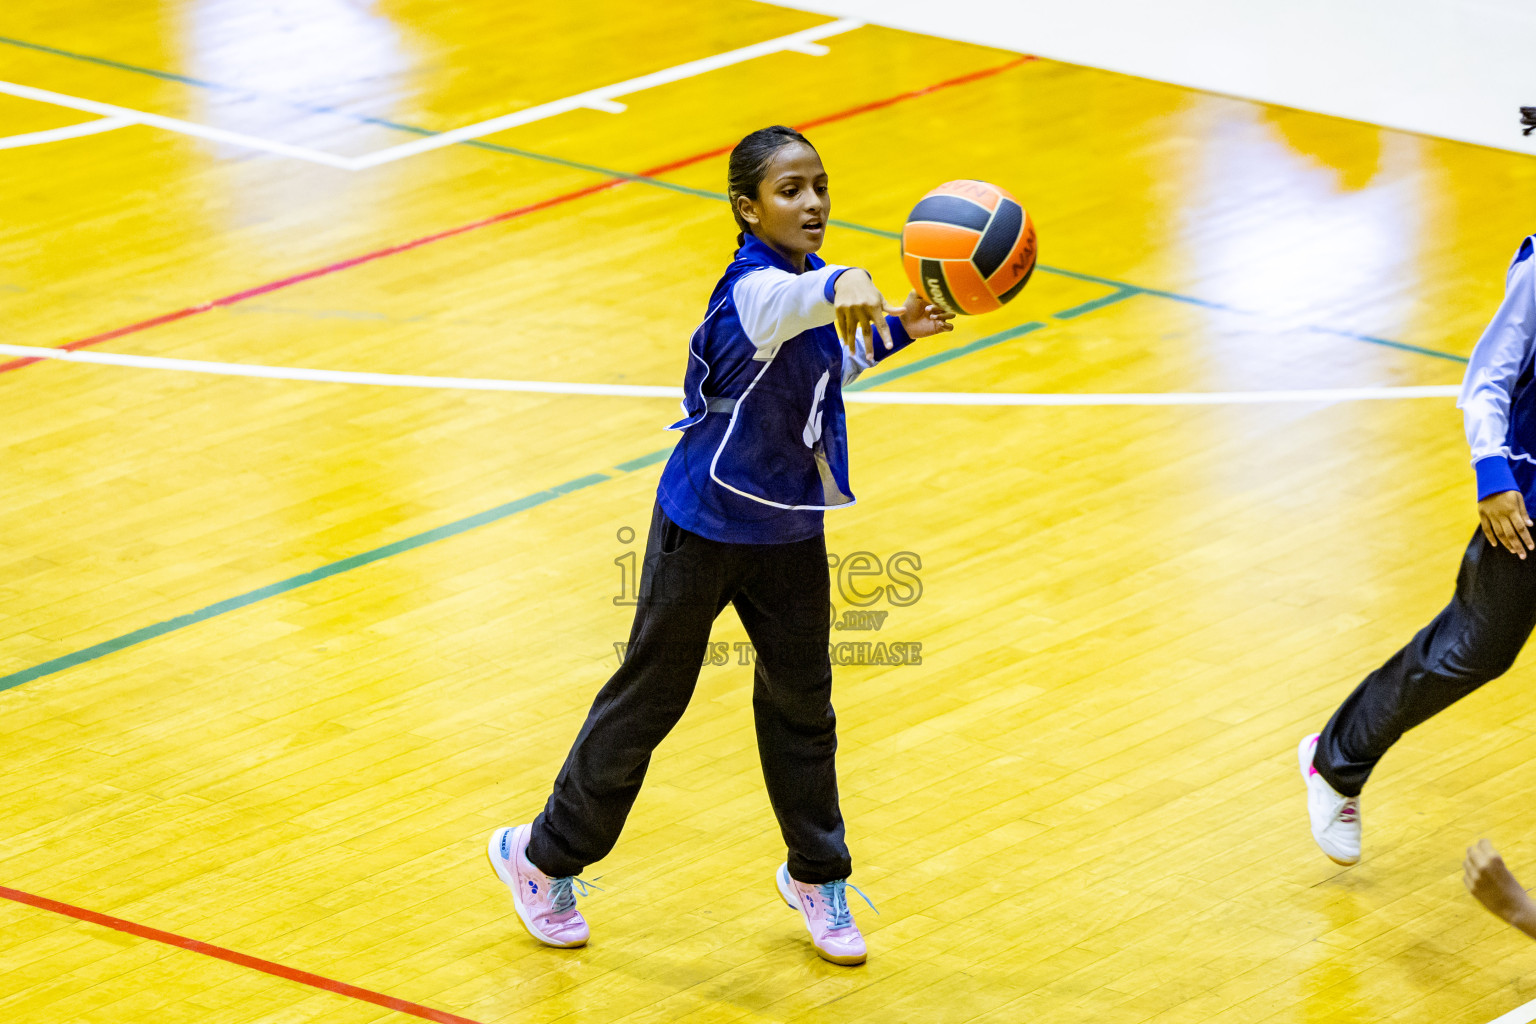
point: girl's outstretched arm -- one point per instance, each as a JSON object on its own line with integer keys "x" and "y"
{"x": 917, "y": 319}
{"x": 858, "y": 305}
{"x": 775, "y": 305}
{"x": 1486, "y": 877}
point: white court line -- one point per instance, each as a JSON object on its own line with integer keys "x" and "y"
{"x": 603, "y": 98}
{"x": 1520, "y": 1015}
{"x": 394, "y": 380}
{"x": 74, "y": 131}
{"x": 1151, "y": 398}
{"x": 404, "y": 380}
{"x": 173, "y": 124}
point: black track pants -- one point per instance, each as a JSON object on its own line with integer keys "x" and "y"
{"x": 1474, "y": 639}
{"x": 782, "y": 594}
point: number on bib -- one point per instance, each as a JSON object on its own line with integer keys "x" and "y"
{"x": 812, "y": 432}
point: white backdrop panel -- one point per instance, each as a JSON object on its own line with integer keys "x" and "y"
{"x": 1460, "y": 69}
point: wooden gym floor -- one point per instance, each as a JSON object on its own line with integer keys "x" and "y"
{"x": 277, "y": 654}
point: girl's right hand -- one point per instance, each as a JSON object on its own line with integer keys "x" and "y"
{"x": 1486, "y": 877}
{"x": 1504, "y": 521}
{"x": 858, "y": 303}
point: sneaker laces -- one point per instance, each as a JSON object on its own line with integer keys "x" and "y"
{"x": 560, "y": 896}
{"x": 837, "y": 900}
{"x": 1349, "y": 813}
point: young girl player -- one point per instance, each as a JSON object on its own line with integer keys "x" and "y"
{"x": 738, "y": 520}
{"x": 1476, "y": 637}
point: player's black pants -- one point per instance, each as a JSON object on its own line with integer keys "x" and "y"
{"x": 1474, "y": 639}
{"x": 782, "y": 594}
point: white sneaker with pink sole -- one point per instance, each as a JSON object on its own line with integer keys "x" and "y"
{"x": 1335, "y": 817}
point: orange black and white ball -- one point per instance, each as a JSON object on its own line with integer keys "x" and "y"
{"x": 968, "y": 247}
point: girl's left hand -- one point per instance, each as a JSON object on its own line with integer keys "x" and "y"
{"x": 922, "y": 320}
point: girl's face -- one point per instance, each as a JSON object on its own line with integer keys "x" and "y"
{"x": 792, "y": 205}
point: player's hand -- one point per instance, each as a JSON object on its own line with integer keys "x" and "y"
{"x": 859, "y": 304}
{"x": 1506, "y": 523}
{"x": 1486, "y": 877}
{"x": 922, "y": 320}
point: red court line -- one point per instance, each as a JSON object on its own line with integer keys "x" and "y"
{"x": 239, "y": 959}
{"x": 854, "y": 111}
{"x": 543, "y": 204}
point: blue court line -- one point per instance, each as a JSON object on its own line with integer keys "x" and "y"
{"x": 1122, "y": 289}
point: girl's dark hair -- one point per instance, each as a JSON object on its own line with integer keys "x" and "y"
{"x": 749, "y": 162}
{"x": 1527, "y": 118}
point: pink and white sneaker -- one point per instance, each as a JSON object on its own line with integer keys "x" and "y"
{"x": 545, "y": 905}
{"x": 824, "y": 908}
{"x": 1335, "y": 817}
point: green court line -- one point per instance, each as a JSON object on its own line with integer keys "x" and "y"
{"x": 452, "y": 529}
{"x": 169, "y": 76}
{"x": 230, "y": 604}
{"x": 644, "y": 460}
{"x": 1124, "y": 289}
{"x": 1310, "y": 328}
{"x": 1121, "y": 292}
{"x": 1386, "y": 343}
{"x": 1118, "y": 295}
{"x": 916, "y": 365}
{"x": 459, "y": 526}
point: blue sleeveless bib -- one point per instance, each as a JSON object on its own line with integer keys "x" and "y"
{"x": 765, "y": 447}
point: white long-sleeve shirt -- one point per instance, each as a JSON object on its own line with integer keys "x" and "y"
{"x": 775, "y": 306}
{"x": 1492, "y": 370}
